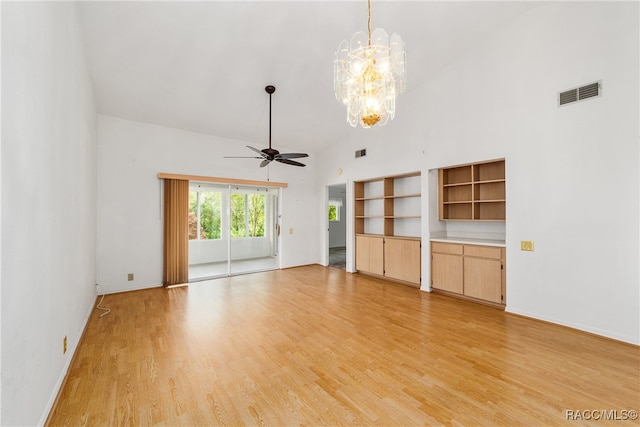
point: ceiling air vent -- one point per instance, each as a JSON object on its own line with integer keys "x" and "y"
{"x": 580, "y": 93}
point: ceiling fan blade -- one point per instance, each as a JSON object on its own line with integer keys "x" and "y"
{"x": 257, "y": 151}
{"x": 241, "y": 157}
{"x": 291, "y": 155}
{"x": 264, "y": 163}
{"x": 290, "y": 162}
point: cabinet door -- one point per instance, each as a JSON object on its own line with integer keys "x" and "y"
{"x": 411, "y": 257}
{"x": 362, "y": 253}
{"x": 446, "y": 272}
{"x": 402, "y": 260}
{"x": 376, "y": 255}
{"x": 483, "y": 279}
{"x": 369, "y": 254}
{"x": 393, "y": 258}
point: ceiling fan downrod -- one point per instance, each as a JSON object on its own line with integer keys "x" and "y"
{"x": 270, "y": 89}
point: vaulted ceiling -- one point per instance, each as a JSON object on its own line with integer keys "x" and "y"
{"x": 203, "y": 66}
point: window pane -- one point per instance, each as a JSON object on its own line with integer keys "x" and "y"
{"x": 238, "y": 212}
{"x": 210, "y": 214}
{"x": 333, "y": 213}
{"x": 193, "y": 216}
{"x": 256, "y": 215}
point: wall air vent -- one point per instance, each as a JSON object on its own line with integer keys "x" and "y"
{"x": 580, "y": 93}
{"x": 361, "y": 153}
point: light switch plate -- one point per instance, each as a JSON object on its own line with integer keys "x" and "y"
{"x": 526, "y": 245}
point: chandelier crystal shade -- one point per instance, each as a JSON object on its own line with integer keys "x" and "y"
{"x": 369, "y": 72}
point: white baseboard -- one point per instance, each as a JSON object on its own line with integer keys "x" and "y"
{"x": 65, "y": 369}
{"x": 580, "y": 327}
{"x": 127, "y": 289}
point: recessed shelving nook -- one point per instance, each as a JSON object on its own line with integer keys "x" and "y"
{"x": 387, "y": 227}
{"x": 468, "y": 252}
{"x": 383, "y": 205}
{"x": 473, "y": 192}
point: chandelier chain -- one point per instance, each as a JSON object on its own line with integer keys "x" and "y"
{"x": 369, "y": 21}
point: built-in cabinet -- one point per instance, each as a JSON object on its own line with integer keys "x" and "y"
{"x": 471, "y": 271}
{"x": 446, "y": 267}
{"x": 370, "y": 254}
{"x": 395, "y": 258}
{"x": 402, "y": 259}
{"x": 387, "y": 227}
{"x": 472, "y": 192}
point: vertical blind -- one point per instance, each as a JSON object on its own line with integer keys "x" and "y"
{"x": 176, "y": 232}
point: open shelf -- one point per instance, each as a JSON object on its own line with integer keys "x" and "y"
{"x": 456, "y": 175}
{"x": 473, "y": 192}
{"x": 370, "y": 198}
{"x": 400, "y": 200}
{"x": 402, "y": 196}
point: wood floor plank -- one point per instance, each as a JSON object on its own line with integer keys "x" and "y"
{"x": 318, "y": 346}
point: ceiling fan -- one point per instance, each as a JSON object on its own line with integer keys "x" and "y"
{"x": 270, "y": 154}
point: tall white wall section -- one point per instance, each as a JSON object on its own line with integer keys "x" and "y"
{"x": 48, "y": 203}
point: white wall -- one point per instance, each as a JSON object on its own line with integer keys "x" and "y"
{"x": 131, "y": 154}
{"x": 572, "y": 172}
{"x": 48, "y": 203}
{"x": 1, "y": 216}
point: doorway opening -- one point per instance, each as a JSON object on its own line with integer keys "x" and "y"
{"x": 337, "y": 225}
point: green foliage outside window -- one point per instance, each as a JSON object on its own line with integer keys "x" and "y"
{"x": 333, "y": 213}
{"x": 238, "y": 212}
{"x": 256, "y": 215}
{"x": 210, "y": 215}
{"x": 247, "y": 215}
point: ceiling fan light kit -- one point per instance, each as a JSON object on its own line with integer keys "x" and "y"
{"x": 270, "y": 154}
{"x": 369, "y": 72}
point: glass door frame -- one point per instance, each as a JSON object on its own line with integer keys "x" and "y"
{"x": 270, "y": 229}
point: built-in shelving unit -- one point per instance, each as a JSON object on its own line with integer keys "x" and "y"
{"x": 388, "y": 199}
{"x": 387, "y": 227}
{"x": 473, "y": 192}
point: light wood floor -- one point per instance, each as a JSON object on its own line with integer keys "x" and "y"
{"x": 318, "y": 346}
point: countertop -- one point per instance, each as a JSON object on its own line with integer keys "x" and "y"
{"x": 469, "y": 241}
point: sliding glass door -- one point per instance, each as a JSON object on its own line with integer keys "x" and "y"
{"x": 208, "y": 231}
{"x": 232, "y": 230}
{"x": 252, "y": 229}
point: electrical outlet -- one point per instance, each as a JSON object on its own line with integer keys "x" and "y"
{"x": 526, "y": 245}
{"x": 130, "y": 277}
{"x": 64, "y": 345}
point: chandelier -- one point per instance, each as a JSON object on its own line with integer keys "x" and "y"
{"x": 369, "y": 72}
